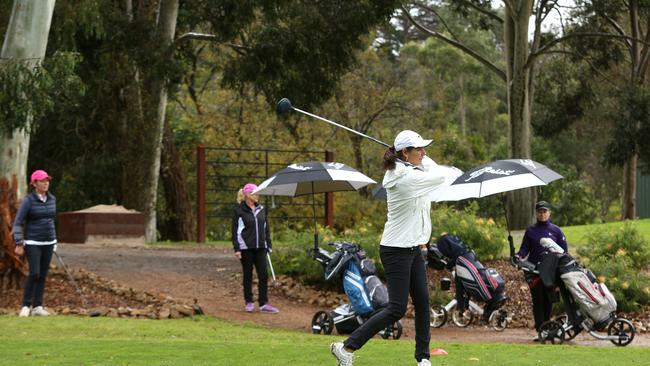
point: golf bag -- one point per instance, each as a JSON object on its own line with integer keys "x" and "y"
{"x": 592, "y": 298}
{"x": 365, "y": 291}
{"x": 472, "y": 279}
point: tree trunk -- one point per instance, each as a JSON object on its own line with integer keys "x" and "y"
{"x": 629, "y": 189}
{"x": 25, "y": 41}
{"x": 518, "y": 13}
{"x": 462, "y": 109}
{"x": 179, "y": 221}
{"x": 144, "y": 171}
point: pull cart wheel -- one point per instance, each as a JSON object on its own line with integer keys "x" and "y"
{"x": 551, "y": 331}
{"x": 438, "y": 316}
{"x": 622, "y": 328}
{"x": 322, "y": 323}
{"x": 462, "y": 320}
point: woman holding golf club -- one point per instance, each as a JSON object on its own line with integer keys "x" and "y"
{"x": 410, "y": 177}
{"x": 251, "y": 241}
{"x": 35, "y": 236}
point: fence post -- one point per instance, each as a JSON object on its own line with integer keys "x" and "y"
{"x": 329, "y": 196}
{"x": 200, "y": 194}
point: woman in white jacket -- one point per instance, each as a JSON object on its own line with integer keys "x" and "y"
{"x": 410, "y": 177}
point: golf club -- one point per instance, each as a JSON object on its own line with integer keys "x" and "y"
{"x": 275, "y": 282}
{"x": 284, "y": 106}
{"x": 74, "y": 283}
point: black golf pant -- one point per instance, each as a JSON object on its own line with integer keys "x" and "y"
{"x": 405, "y": 274}
{"x": 38, "y": 258}
{"x": 257, "y": 258}
{"x": 542, "y": 301}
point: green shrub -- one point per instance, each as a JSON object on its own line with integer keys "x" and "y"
{"x": 622, "y": 242}
{"x": 483, "y": 235}
{"x": 630, "y": 288}
{"x": 291, "y": 254}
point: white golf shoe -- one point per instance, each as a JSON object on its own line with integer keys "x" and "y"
{"x": 24, "y": 312}
{"x": 39, "y": 311}
{"x": 424, "y": 362}
{"x": 344, "y": 357}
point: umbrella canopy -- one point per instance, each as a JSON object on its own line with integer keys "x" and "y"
{"x": 313, "y": 177}
{"x": 310, "y": 178}
{"x": 496, "y": 177}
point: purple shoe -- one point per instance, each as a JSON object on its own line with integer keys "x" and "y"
{"x": 250, "y": 307}
{"x": 268, "y": 308}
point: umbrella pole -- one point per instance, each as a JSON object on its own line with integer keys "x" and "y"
{"x": 313, "y": 207}
{"x": 510, "y": 240}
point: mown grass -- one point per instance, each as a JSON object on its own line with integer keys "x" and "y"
{"x": 207, "y": 341}
{"x": 576, "y": 234}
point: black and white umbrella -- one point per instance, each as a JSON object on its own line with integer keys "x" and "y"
{"x": 313, "y": 177}
{"x": 496, "y": 177}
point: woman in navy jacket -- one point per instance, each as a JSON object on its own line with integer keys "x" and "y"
{"x": 251, "y": 241}
{"x": 35, "y": 236}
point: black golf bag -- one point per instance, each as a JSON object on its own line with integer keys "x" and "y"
{"x": 472, "y": 279}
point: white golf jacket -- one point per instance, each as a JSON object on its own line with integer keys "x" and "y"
{"x": 408, "y": 187}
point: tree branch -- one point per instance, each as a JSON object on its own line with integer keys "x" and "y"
{"x": 554, "y": 42}
{"x": 483, "y": 11}
{"x": 428, "y": 8}
{"x": 208, "y": 37}
{"x": 458, "y": 45}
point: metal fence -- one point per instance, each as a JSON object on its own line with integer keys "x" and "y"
{"x": 221, "y": 172}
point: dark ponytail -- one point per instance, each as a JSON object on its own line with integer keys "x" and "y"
{"x": 390, "y": 157}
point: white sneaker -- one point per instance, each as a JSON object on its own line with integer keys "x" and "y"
{"x": 24, "y": 312}
{"x": 424, "y": 362}
{"x": 39, "y": 311}
{"x": 344, "y": 357}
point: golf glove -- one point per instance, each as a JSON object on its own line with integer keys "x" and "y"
{"x": 55, "y": 246}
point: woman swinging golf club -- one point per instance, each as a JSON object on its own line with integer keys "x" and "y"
{"x": 410, "y": 177}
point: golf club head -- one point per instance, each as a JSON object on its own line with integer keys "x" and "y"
{"x": 284, "y": 106}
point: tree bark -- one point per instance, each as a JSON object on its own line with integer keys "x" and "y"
{"x": 25, "y": 41}
{"x": 179, "y": 224}
{"x": 144, "y": 153}
{"x": 629, "y": 188}
{"x": 518, "y": 13}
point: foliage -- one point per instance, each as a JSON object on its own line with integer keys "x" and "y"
{"x": 483, "y": 235}
{"x": 630, "y": 287}
{"x": 29, "y": 92}
{"x": 614, "y": 244}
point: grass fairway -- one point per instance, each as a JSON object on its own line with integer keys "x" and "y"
{"x": 208, "y": 341}
{"x": 576, "y": 234}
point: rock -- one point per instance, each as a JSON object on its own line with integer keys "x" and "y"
{"x": 164, "y": 313}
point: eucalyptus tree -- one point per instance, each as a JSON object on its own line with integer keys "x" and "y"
{"x": 135, "y": 55}
{"x": 620, "y": 52}
{"x": 24, "y": 47}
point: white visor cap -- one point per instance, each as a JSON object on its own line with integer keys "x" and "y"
{"x": 408, "y": 138}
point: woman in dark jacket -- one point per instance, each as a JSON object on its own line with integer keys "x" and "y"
{"x": 251, "y": 241}
{"x": 35, "y": 236}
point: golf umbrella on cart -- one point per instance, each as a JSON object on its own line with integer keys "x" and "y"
{"x": 497, "y": 177}
{"x": 313, "y": 177}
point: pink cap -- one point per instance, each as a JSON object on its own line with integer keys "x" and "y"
{"x": 249, "y": 188}
{"x": 40, "y": 175}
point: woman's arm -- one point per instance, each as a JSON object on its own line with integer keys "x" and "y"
{"x": 19, "y": 222}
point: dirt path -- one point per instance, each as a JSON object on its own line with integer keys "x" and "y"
{"x": 213, "y": 277}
